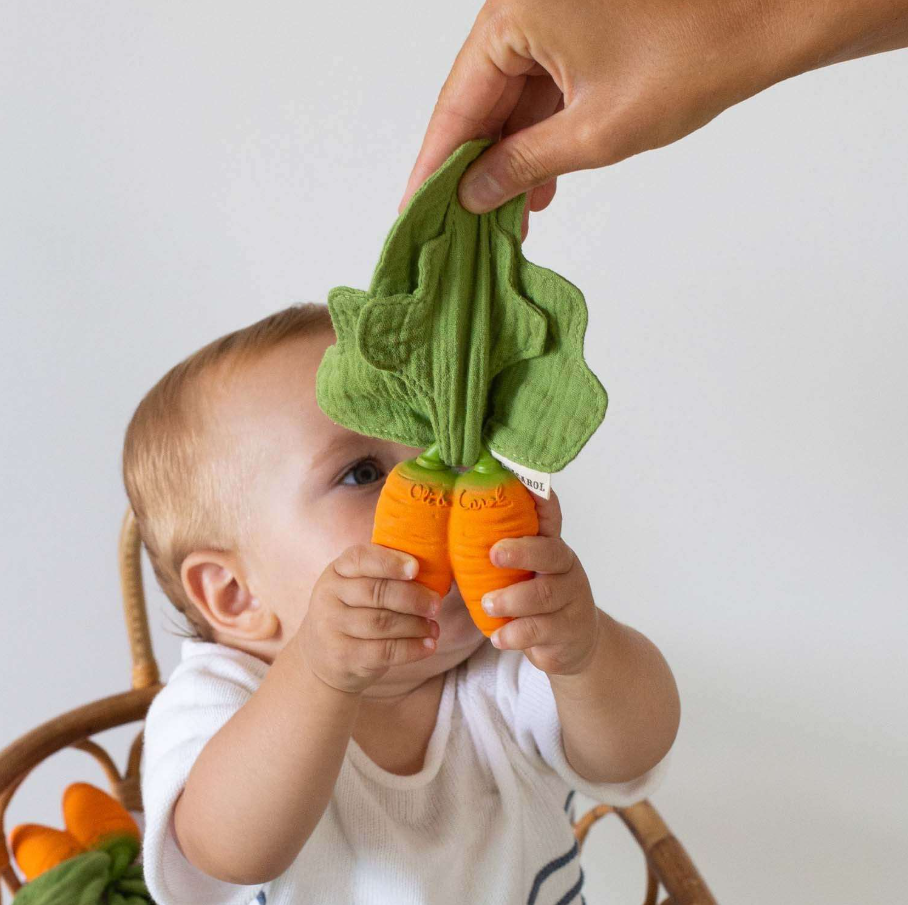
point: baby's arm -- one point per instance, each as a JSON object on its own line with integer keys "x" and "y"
{"x": 620, "y": 714}
{"x": 616, "y": 695}
{"x": 261, "y": 784}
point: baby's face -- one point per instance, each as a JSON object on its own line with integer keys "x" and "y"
{"x": 314, "y": 493}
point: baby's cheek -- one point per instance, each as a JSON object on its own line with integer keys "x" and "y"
{"x": 353, "y": 522}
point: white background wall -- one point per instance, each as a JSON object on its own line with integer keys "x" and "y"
{"x": 171, "y": 172}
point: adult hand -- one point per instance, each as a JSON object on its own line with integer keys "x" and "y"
{"x": 576, "y": 84}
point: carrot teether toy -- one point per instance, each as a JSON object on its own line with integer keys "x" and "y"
{"x": 450, "y": 521}
{"x": 463, "y": 348}
{"x": 489, "y": 503}
{"x": 412, "y": 515}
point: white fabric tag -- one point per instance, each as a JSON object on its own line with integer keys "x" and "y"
{"x": 537, "y": 481}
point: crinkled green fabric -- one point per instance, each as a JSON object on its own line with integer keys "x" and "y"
{"x": 86, "y": 879}
{"x": 460, "y": 339}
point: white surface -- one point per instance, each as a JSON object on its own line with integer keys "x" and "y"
{"x": 172, "y": 172}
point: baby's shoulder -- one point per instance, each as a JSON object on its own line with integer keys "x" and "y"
{"x": 209, "y": 684}
{"x": 209, "y": 673}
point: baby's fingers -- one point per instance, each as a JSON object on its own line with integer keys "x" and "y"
{"x": 384, "y": 636}
{"x": 391, "y": 595}
{"x": 368, "y": 624}
{"x": 549, "y": 514}
{"x": 375, "y": 561}
{"x": 537, "y": 554}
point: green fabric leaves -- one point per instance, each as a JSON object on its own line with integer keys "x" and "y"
{"x": 86, "y": 879}
{"x": 461, "y": 339}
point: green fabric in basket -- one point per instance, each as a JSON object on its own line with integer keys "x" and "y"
{"x": 91, "y": 878}
{"x": 459, "y": 339}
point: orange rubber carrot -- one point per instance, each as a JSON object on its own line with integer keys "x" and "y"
{"x": 99, "y": 821}
{"x": 38, "y": 848}
{"x": 489, "y": 503}
{"x": 412, "y": 515}
{"x": 92, "y": 815}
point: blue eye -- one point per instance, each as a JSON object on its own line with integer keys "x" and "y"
{"x": 366, "y": 471}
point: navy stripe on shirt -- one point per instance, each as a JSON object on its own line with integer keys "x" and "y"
{"x": 567, "y": 803}
{"x": 550, "y": 868}
{"x": 572, "y": 893}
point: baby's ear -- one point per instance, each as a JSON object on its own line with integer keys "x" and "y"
{"x": 214, "y": 581}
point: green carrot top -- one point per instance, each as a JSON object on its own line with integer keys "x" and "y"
{"x": 461, "y": 340}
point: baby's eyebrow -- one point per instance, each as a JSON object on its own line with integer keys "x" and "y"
{"x": 333, "y": 449}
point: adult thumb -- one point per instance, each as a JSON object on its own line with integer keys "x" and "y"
{"x": 521, "y": 161}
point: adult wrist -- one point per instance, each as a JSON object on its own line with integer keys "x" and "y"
{"x": 810, "y": 35}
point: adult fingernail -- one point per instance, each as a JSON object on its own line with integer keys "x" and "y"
{"x": 482, "y": 192}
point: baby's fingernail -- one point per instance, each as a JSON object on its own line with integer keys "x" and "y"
{"x": 488, "y": 604}
{"x": 496, "y": 641}
{"x": 500, "y": 555}
{"x": 410, "y": 568}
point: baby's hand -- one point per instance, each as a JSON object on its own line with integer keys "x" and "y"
{"x": 555, "y": 620}
{"x": 367, "y": 615}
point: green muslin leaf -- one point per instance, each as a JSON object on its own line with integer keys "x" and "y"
{"x": 80, "y": 880}
{"x": 558, "y": 384}
{"x": 358, "y": 396}
{"x": 460, "y": 339}
{"x": 86, "y": 879}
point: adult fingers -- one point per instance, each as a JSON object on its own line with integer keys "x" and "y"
{"x": 541, "y": 197}
{"x": 540, "y": 98}
{"x": 478, "y": 96}
{"x": 524, "y": 160}
{"x": 544, "y": 194}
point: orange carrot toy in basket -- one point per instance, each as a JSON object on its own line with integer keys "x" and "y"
{"x": 465, "y": 349}
{"x": 91, "y": 862}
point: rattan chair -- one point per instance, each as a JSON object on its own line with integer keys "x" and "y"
{"x": 668, "y": 866}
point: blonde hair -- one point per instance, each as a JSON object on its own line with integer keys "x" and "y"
{"x": 185, "y": 495}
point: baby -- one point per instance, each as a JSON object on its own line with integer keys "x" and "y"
{"x": 335, "y": 732}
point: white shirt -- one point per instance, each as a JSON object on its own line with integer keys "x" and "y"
{"x": 486, "y": 820}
